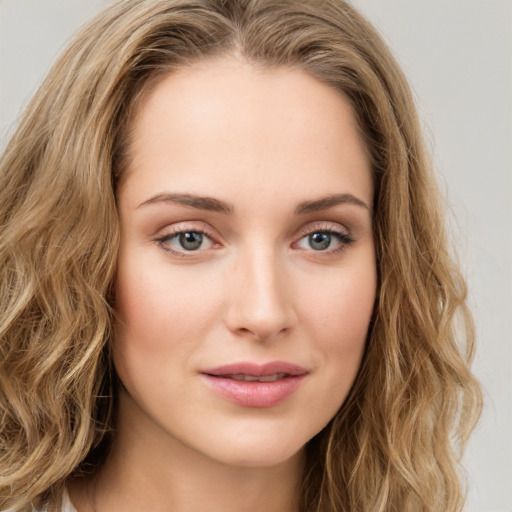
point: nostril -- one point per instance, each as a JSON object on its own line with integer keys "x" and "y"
{"x": 261, "y": 334}
{"x": 246, "y": 331}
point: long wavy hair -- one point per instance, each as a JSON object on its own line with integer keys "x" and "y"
{"x": 396, "y": 442}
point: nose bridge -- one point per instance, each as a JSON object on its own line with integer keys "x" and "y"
{"x": 261, "y": 303}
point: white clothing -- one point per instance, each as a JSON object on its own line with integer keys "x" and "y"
{"x": 67, "y": 506}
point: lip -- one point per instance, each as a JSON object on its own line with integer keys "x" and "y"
{"x": 254, "y": 393}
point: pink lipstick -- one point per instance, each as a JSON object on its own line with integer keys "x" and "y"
{"x": 252, "y": 385}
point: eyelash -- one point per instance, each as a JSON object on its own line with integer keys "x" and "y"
{"x": 344, "y": 239}
{"x": 164, "y": 240}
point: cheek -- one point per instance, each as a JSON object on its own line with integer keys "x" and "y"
{"x": 160, "y": 298}
{"x": 342, "y": 307}
{"x": 161, "y": 316}
{"x": 338, "y": 315}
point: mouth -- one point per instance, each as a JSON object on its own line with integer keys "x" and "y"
{"x": 253, "y": 378}
{"x": 273, "y": 370}
{"x": 257, "y": 386}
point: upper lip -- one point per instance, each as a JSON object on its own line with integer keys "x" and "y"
{"x": 256, "y": 370}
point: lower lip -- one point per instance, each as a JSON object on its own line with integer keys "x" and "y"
{"x": 254, "y": 394}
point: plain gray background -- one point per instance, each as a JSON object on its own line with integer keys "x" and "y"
{"x": 458, "y": 57}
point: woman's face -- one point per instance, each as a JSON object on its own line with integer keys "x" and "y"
{"x": 246, "y": 274}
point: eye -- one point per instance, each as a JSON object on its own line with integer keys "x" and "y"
{"x": 186, "y": 241}
{"x": 319, "y": 241}
{"x": 190, "y": 241}
{"x": 324, "y": 241}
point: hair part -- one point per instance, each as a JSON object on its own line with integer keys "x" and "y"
{"x": 391, "y": 445}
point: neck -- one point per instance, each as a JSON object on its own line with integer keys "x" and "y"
{"x": 149, "y": 470}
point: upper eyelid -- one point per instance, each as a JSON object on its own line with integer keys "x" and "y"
{"x": 183, "y": 227}
{"x": 323, "y": 226}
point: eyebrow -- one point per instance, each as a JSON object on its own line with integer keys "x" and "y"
{"x": 215, "y": 205}
{"x": 199, "y": 202}
{"x": 328, "y": 202}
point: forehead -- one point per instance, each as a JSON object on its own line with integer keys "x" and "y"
{"x": 228, "y": 123}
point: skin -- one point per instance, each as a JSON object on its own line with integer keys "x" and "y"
{"x": 262, "y": 142}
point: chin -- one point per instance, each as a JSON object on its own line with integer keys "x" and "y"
{"x": 261, "y": 456}
{"x": 258, "y": 445}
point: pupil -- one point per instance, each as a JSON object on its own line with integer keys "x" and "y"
{"x": 320, "y": 241}
{"x": 191, "y": 241}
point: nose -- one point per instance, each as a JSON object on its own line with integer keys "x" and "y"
{"x": 260, "y": 297}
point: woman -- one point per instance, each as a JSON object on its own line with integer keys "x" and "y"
{"x": 225, "y": 280}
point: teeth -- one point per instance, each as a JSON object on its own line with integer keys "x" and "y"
{"x": 245, "y": 378}
{"x": 252, "y": 378}
{"x": 272, "y": 378}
